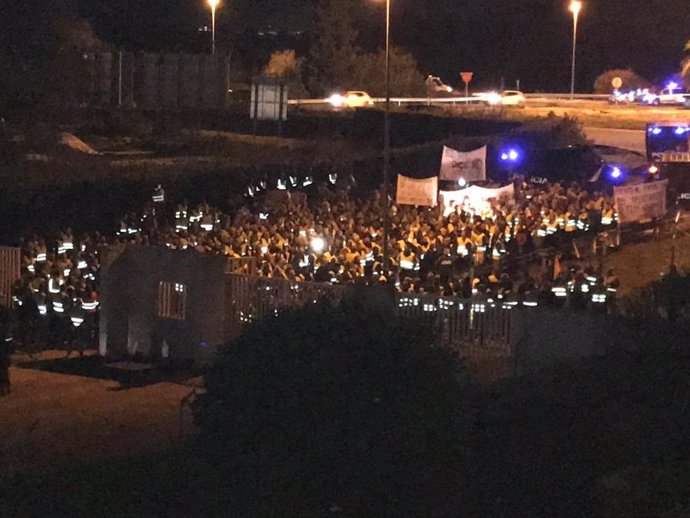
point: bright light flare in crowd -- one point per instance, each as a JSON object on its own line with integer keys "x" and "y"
{"x": 575, "y": 7}
{"x": 653, "y": 169}
{"x": 318, "y": 244}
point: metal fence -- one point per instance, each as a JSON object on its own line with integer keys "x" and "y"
{"x": 10, "y": 260}
{"x": 469, "y": 328}
{"x": 150, "y": 81}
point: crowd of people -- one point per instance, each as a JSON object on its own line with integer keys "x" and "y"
{"x": 336, "y": 237}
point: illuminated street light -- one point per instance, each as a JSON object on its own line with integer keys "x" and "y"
{"x": 213, "y": 4}
{"x": 575, "y": 7}
{"x": 386, "y": 143}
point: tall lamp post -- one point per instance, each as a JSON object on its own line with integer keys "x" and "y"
{"x": 387, "y": 144}
{"x": 213, "y": 4}
{"x": 575, "y": 7}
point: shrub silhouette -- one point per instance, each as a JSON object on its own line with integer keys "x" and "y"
{"x": 346, "y": 409}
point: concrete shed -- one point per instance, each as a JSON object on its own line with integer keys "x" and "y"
{"x": 164, "y": 304}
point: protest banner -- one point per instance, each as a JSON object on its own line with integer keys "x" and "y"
{"x": 474, "y": 198}
{"x": 468, "y": 165}
{"x": 411, "y": 191}
{"x": 640, "y": 202}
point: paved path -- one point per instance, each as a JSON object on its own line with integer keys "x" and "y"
{"x": 52, "y": 420}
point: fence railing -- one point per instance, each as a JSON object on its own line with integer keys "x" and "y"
{"x": 10, "y": 260}
{"x": 466, "y": 327}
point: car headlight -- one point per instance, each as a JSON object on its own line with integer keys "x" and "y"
{"x": 336, "y": 100}
{"x": 493, "y": 98}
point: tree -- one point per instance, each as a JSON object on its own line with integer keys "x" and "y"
{"x": 332, "y": 51}
{"x": 631, "y": 80}
{"x": 405, "y": 77}
{"x": 39, "y": 51}
{"x": 344, "y": 407}
{"x": 286, "y": 65}
{"x": 74, "y": 37}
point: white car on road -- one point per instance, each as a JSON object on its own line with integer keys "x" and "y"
{"x": 506, "y": 98}
{"x": 666, "y": 96}
{"x": 351, "y": 99}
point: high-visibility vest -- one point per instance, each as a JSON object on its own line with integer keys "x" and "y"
{"x": 607, "y": 217}
{"x": 570, "y": 223}
{"x": 407, "y": 262}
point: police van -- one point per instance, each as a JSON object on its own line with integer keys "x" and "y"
{"x": 668, "y": 149}
{"x": 598, "y": 168}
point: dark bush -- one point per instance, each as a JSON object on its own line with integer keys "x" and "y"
{"x": 344, "y": 408}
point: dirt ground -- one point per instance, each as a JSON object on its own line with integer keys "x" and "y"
{"x": 53, "y": 420}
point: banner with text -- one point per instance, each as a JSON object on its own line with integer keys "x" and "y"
{"x": 423, "y": 193}
{"x": 641, "y": 202}
{"x": 475, "y": 199}
{"x": 468, "y": 165}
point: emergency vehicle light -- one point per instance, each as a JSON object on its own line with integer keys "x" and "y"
{"x": 681, "y": 130}
{"x": 655, "y": 130}
{"x": 616, "y": 173}
{"x": 511, "y": 155}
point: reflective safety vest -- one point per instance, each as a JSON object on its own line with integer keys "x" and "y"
{"x": 530, "y": 300}
{"x": 551, "y": 228}
{"x": 54, "y": 285}
{"x": 607, "y": 217}
{"x": 407, "y": 262}
{"x": 559, "y": 291}
{"x": 598, "y": 298}
{"x": 90, "y": 306}
{"x": 583, "y": 222}
{"x": 498, "y": 251}
{"x": 76, "y": 315}
{"x": 207, "y": 223}
{"x": 571, "y": 223}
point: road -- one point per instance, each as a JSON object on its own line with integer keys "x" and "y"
{"x": 626, "y": 139}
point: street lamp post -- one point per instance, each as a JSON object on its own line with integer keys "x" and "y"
{"x": 386, "y": 145}
{"x": 575, "y": 6}
{"x": 213, "y": 4}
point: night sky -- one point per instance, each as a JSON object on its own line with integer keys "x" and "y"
{"x": 509, "y": 39}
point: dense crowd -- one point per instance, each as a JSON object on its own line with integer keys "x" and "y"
{"x": 337, "y": 237}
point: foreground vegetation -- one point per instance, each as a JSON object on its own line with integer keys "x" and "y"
{"x": 336, "y": 411}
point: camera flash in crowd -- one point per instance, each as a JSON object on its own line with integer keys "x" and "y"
{"x": 318, "y": 244}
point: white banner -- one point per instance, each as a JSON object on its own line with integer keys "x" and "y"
{"x": 641, "y": 202}
{"x": 469, "y": 165}
{"x": 423, "y": 193}
{"x": 475, "y": 199}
